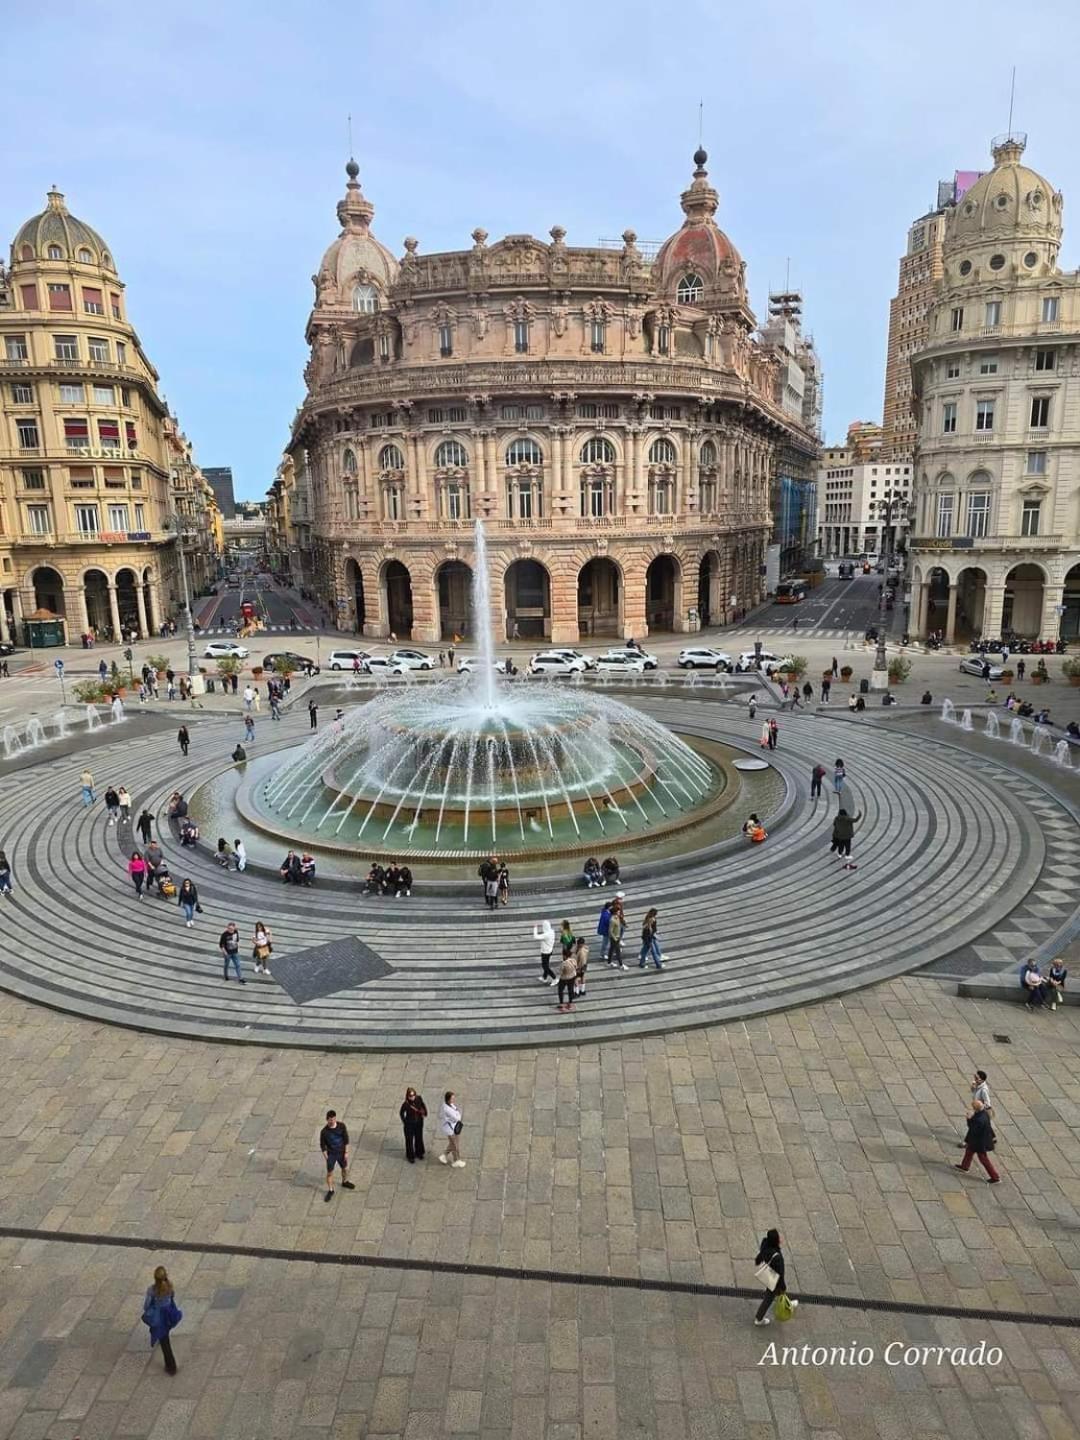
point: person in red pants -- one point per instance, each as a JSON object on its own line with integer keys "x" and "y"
{"x": 979, "y": 1140}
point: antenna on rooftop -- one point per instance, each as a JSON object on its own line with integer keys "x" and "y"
{"x": 700, "y": 121}
{"x": 348, "y": 122}
{"x": 1012, "y": 97}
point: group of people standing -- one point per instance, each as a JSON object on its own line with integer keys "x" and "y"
{"x": 571, "y": 979}
{"x": 495, "y": 878}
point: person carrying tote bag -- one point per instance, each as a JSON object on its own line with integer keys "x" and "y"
{"x": 769, "y": 1263}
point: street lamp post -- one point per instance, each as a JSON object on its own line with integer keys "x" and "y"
{"x": 196, "y": 682}
{"x": 879, "y": 678}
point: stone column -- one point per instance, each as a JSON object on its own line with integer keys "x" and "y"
{"x": 140, "y": 603}
{"x": 491, "y": 473}
{"x": 425, "y": 629}
{"x": 950, "y": 621}
{"x": 155, "y": 608}
{"x": 634, "y": 623}
{"x": 80, "y": 609}
{"x": 642, "y": 500}
{"x": 684, "y": 483}
{"x": 5, "y": 632}
{"x": 993, "y": 606}
{"x": 1053, "y": 596}
{"x": 114, "y": 614}
{"x": 479, "y": 470}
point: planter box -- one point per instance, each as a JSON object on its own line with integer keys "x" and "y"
{"x": 1007, "y": 677}
{"x": 1074, "y": 680}
{"x": 845, "y": 675}
{"x": 1035, "y": 679}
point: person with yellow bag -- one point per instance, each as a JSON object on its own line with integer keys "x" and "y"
{"x": 769, "y": 1269}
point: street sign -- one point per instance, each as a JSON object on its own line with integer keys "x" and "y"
{"x": 59, "y": 666}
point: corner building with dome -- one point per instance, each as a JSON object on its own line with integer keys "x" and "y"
{"x": 615, "y": 421}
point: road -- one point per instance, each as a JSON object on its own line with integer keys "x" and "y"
{"x": 282, "y": 611}
{"x": 835, "y": 608}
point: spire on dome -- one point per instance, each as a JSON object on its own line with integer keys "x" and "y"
{"x": 355, "y": 211}
{"x": 701, "y": 201}
{"x": 56, "y": 201}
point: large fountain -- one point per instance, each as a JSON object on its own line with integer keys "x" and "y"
{"x": 480, "y": 762}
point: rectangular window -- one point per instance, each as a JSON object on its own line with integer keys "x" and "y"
{"x": 71, "y": 394}
{"x": 1045, "y": 359}
{"x": 436, "y": 417}
{"x": 114, "y": 303}
{"x": 1040, "y": 412}
{"x": 945, "y": 516}
{"x": 104, "y": 395}
{"x": 66, "y": 347}
{"x": 28, "y": 434}
{"x": 957, "y": 319}
{"x": 15, "y": 347}
{"x": 952, "y": 369}
{"x": 86, "y": 519}
{"x": 59, "y": 296}
{"x": 81, "y": 477}
{"x": 136, "y": 484}
{"x": 121, "y": 353}
{"x": 22, "y": 394}
{"x": 109, "y": 433}
{"x": 132, "y": 437}
{"x": 948, "y": 418}
{"x": 609, "y": 412}
{"x": 1029, "y": 517}
{"x": 38, "y": 520}
{"x": 1049, "y": 309}
{"x": 393, "y": 502}
{"x": 384, "y": 347}
{"x": 534, "y": 412}
{"x": 1036, "y": 462}
{"x": 663, "y": 339}
{"x": 99, "y": 350}
{"x": 446, "y": 341}
{"x": 978, "y": 514}
{"x": 456, "y": 415}
{"x": 92, "y": 302}
{"x": 993, "y": 312}
{"x": 33, "y": 479}
{"x": 521, "y": 336}
{"x": 511, "y": 412}
{"x": 125, "y": 396}
{"x": 984, "y": 415}
{"x": 988, "y": 365}
{"x": 140, "y": 517}
{"x": 599, "y": 335}
{"x": 76, "y": 434}
{"x": 118, "y": 517}
{"x": 29, "y": 296}
{"x": 587, "y": 411}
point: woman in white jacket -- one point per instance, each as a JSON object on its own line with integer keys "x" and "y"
{"x": 544, "y": 932}
{"x": 449, "y": 1120}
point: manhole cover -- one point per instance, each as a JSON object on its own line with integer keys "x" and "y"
{"x": 1002, "y": 1040}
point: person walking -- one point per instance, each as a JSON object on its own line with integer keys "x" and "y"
{"x": 137, "y": 871}
{"x": 843, "y": 832}
{"x": 567, "y": 981}
{"x": 262, "y": 948}
{"x": 581, "y": 961}
{"x": 1021, "y": 667}
{"x": 249, "y": 697}
{"x": 183, "y": 739}
{"x": 980, "y": 1090}
{"x": 980, "y": 1139}
{"x": 313, "y": 715}
{"x": 145, "y": 826}
{"x": 240, "y": 852}
{"x": 504, "y": 883}
{"x": 86, "y": 780}
{"x": 249, "y": 729}
{"x": 451, "y": 1124}
{"x": 650, "y": 943}
{"x": 187, "y": 899}
{"x": 839, "y": 775}
{"x": 125, "y": 805}
{"x": 765, "y": 735}
{"x": 491, "y": 889}
{"x": 334, "y": 1144}
{"x": 6, "y": 886}
{"x": 817, "y": 775}
{"x": 275, "y": 705}
{"x": 413, "y": 1113}
{"x": 770, "y": 1254}
{"x": 112, "y": 805}
{"x": 835, "y": 668}
{"x": 826, "y": 691}
{"x": 162, "y": 1314}
{"x": 229, "y": 945}
{"x": 544, "y": 932}
{"x": 616, "y": 931}
{"x": 774, "y": 734}
{"x": 603, "y": 929}
{"x": 751, "y": 705}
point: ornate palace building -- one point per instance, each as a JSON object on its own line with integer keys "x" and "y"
{"x": 997, "y": 388}
{"x": 90, "y": 459}
{"x": 616, "y": 422}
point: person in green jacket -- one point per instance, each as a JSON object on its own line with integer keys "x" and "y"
{"x": 843, "y": 832}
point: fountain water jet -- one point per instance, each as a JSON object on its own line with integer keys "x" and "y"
{"x": 1061, "y": 754}
{"x": 93, "y": 719}
{"x": 1041, "y": 741}
{"x": 1018, "y": 732}
{"x": 993, "y": 727}
{"x": 948, "y": 712}
{"x": 13, "y": 745}
{"x": 965, "y": 721}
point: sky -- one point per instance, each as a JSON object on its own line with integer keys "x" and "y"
{"x": 207, "y": 143}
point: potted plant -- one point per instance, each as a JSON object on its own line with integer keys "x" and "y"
{"x": 257, "y": 671}
{"x": 160, "y": 663}
{"x": 1071, "y": 669}
{"x": 228, "y": 666}
{"x": 899, "y": 670}
{"x": 1007, "y": 675}
{"x": 284, "y": 669}
{"x": 90, "y": 692}
{"x": 845, "y": 673}
{"x": 795, "y": 665}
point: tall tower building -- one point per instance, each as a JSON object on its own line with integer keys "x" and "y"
{"x": 920, "y": 271}
{"x": 220, "y": 478}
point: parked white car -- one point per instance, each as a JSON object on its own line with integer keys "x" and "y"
{"x": 344, "y": 659}
{"x": 413, "y": 660}
{"x": 750, "y": 660}
{"x": 471, "y": 664}
{"x": 383, "y": 665}
{"x": 556, "y": 662}
{"x": 650, "y": 662}
{"x": 616, "y": 664}
{"x": 586, "y": 660}
{"x": 704, "y": 657}
{"x": 225, "y": 649}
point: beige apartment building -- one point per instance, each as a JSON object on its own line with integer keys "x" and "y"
{"x": 85, "y": 468}
{"x": 997, "y": 386}
{"x": 863, "y": 498}
{"x": 613, "y": 418}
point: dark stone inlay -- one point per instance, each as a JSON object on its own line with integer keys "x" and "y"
{"x": 35, "y": 1365}
{"x": 339, "y": 965}
{"x": 228, "y": 1297}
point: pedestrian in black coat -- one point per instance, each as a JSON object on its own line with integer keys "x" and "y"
{"x": 413, "y": 1113}
{"x": 979, "y": 1140}
{"x": 769, "y": 1252}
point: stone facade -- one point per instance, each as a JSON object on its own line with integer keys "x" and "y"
{"x": 857, "y": 485}
{"x": 86, "y": 470}
{"x": 615, "y": 423}
{"x": 997, "y": 385}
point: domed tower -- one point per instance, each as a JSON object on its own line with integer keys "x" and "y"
{"x": 698, "y": 267}
{"x": 1007, "y": 225}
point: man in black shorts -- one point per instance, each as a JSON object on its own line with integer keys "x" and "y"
{"x": 334, "y": 1144}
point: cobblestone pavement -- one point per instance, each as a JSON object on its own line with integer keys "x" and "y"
{"x": 663, "y": 1157}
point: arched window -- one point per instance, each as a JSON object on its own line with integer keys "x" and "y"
{"x": 662, "y": 452}
{"x": 707, "y": 454}
{"x": 451, "y": 455}
{"x": 391, "y": 458}
{"x": 85, "y": 256}
{"x": 690, "y": 290}
{"x": 524, "y": 452}
{"x": 55, "y": 253}
{"x": 365, "y": 299}
{"x": 348, "y": 462}
{"x": 598, "y": 451}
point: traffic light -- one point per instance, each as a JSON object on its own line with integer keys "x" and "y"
{"x": 128, "y": 654}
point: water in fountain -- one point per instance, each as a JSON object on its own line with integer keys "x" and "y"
{"x": 1041, "y": 741}
{"x": 13, "y": 745}
{"x": 1061, "y": 754}
{"x": 35, "y": 733}
{"x": 117, "y": 710}
{"x": 93, "y": 719}
{"x": 965, "y": 721}
{"x": 60, "y": 720}
{"x": 993, "y": 728}
{"x": 472, "y": 761}
{"x": 948, "y": 712}
{"x": 1018, "y": 731}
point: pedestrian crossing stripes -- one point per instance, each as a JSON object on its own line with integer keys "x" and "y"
{"x": 294, "y": 628}
{"x": 764, "y": 633}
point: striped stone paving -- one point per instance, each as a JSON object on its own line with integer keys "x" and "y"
{"x": 950, "y": 846}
